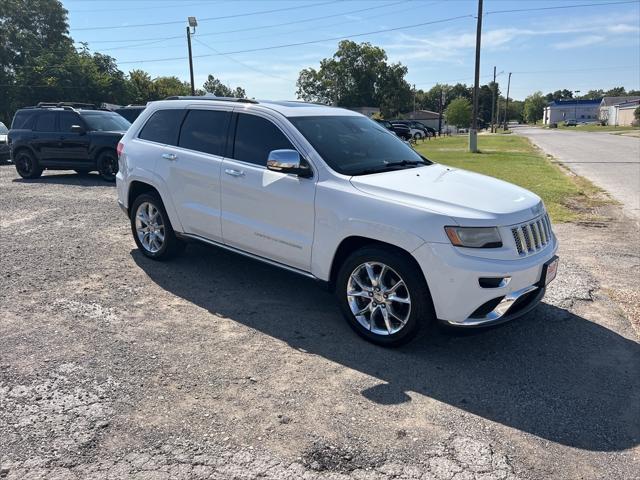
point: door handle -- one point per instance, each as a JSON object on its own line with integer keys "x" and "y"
{"x": 169, "y": 156}
{"x": 234, "y": 173}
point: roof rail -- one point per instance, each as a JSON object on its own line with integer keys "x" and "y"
{"x": 90, "y": 106}
{"x": 211, "y": 97}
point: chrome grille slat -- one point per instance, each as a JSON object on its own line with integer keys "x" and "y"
{"x": 536, "y": 235}
{"x": 532, "y": 236}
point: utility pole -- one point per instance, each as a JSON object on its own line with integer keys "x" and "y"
{"x": 473, "y": 132}
{"x": 193, "y": 23}
{"x": 414, "y": 100}
{"x": 575, "y": 110}
{"x": 493, "y": 100}
{"x": 506, "y": 107}
{"x": 441, "y": 100}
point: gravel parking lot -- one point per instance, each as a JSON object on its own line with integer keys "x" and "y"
{"x": 215, "y": 366}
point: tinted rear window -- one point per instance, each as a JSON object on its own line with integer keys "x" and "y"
{"x": 205, "y": 131}
{"x": 46, "y": 122}
{"x": 163, "y": 127}
{"x": 22, "y": 119}
{"x": 67, "y": 120}
{"x": 256, "y": 137}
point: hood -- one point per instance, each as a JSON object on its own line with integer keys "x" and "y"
{"x": 469, "y": 198}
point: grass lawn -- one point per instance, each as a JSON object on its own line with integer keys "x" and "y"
{"x": 514, "y": 159}
{"x": 598, "y": 128}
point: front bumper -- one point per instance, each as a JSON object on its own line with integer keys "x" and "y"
{"x": 459, "y": 299}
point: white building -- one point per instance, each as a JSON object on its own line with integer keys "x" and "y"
{"x": 609, "y": 107}
{"x": 578, "y": 110}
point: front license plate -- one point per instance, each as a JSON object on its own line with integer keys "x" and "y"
{"x": 550, "y": 271}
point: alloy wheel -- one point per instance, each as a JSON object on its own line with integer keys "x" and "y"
{"x": 150, "y": 227}
{"x": 378, "y": 298}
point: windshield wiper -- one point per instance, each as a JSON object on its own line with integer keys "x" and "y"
{"x": 403, "y": 163}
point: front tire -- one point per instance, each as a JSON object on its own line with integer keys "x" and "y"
{"x": 108, "y": 166}
{"x": 152, "y": 229}
{"x": 383, "y": 296}
{"x": 27, "y": 165}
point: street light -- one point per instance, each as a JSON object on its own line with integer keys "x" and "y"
{"x": 193, "y": 23}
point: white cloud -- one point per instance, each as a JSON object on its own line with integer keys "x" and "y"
{"x": 578, "y": 42}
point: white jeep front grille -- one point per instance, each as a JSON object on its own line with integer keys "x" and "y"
{"x": 532, "y": 236}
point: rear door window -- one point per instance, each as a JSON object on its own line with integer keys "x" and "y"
{"x": 67, "y": 120}
{"x": 205, "y": 131}
{"x": 23, "y": 119}
{"x": 256, "y": 137}
{"x": 163, "y": 126}
{"x": 46, "y": 122}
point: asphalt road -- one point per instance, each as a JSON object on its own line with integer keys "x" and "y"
{"x": 610, "y": 161}
{"x": 213, "y": 366}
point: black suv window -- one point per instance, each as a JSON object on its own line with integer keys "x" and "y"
{"x": 255, "y": 138}
{"x": 46, "y": 122}
{"x": 163, "y": 127}
{"x": 67, "y": 119}
{"x": 22, "y": 119}
{"x": 205, "y": 131}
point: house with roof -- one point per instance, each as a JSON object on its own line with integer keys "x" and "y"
{"x": 579, "y": 110}
{"x": 609, "y": 109}
{"x": 427, "y": 117}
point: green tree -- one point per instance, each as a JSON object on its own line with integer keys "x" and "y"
{"x": 357, "y": 75}
{"x": 534, "y": 107}
{"x": 164, "y": 87}
{"x": 30, "y": 32}
{"x": 458, "y": 112}
{"x": 216, "y": 87}
{"x": 636, "y": 114}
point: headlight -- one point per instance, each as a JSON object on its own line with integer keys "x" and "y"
{"x": 474, "y": 237}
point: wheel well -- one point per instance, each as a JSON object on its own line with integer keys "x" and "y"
{"x": 24, "y": 148}
{"x": 138, "y": 188}
{"x": 351, "y": 244}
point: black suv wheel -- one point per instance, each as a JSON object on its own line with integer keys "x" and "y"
{"x": 26, "y": 165}
{"x": 108, "y": 166}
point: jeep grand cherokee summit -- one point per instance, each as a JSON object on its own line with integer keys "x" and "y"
{"x": 65, "y": 138}
{"x": 329, "y": 194}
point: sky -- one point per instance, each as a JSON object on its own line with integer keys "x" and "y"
{"x": 241, "y": 41}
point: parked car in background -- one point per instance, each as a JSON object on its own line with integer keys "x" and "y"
{"x": 62, "y": 137}
{"x": 399, "y": 129}
{"x": 570, "y": 123}
{"x": 4, "y": 143}
{"x": 327, "y": 193}
{"x": 130, "y": 112}
{"x": 418, "y": 129}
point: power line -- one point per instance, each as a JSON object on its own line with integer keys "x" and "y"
{"x": 246, "y": 65}
{"x": 174, "y": 22}
{"x": 559, "y": 7}
{"x": 274, "y": 47}
{"x": 261, "y": 27}
{"x": 309, "y": 42}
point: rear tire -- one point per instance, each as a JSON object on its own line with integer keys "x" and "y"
{"x": 27, "y": 165}
{"x": 152, "y": 229}
{"x": 108, "y": 166}
{"x": 397, "y": 299}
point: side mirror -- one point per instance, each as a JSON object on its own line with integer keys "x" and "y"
{"x": 78, "y": 129}
{"x": 288, "y": 161}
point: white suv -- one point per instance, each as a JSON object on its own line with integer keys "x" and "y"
{"x": 332, "y": 195}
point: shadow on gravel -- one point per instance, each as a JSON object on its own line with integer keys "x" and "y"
{"x": 81, "y": 180}
{"x": 550, "y": 373}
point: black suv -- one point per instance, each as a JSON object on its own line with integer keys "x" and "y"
{"x": 61, "y": 137}
{"x": 130, "y": 112}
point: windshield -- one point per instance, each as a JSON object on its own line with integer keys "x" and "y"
{"x": 3, "y": 129}
{"x": 354, "y": 145}
{"x": 105, "y": 121}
